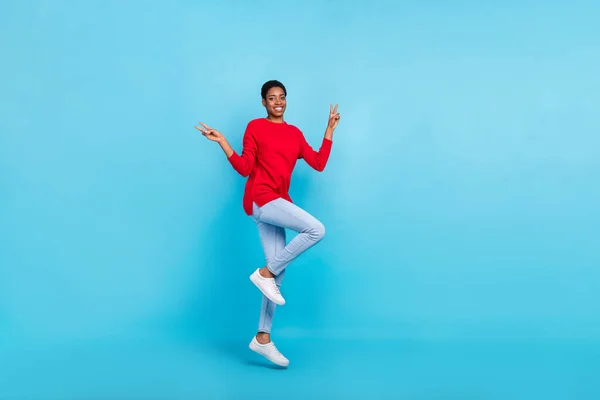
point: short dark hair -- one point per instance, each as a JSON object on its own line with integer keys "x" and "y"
{"x": 270, "y": 85}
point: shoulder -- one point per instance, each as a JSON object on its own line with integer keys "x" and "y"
{"x": 254, "y": 127}
{"x": 256, "y": 122}
{"x": 293, "y": 128}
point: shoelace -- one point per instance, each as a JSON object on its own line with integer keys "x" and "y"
{"x": 275, "y": 287}
{"x": 274, "y": 349}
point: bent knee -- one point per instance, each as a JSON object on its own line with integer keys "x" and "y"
{"x": 317, "y": 231}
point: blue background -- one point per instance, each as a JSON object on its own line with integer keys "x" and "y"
{"x": 461, "y": 199}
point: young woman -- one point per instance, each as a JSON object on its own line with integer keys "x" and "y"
{"x": 271, "y": 147}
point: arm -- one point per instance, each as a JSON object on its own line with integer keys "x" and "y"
{"x": 245, "y": 163}
{"x": 316, "y": 159}
{"x": 242, "y": 164}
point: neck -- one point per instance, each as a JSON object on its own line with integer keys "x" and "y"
{"x": 275, "y": 119}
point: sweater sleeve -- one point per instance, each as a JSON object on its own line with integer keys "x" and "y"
{"x": 315, "y": 159}
{"x": 244, "y": 163}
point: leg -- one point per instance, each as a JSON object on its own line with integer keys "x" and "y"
{"x": 273, "y": 240}
{"x": 284, "y": 214}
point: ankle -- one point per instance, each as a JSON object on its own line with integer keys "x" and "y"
{"x": 263, "y": 338}
{"x": 265, "y": 273}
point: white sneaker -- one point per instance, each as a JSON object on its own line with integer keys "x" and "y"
{"x": 269, "y": 351}
{"x": 268, "y": 287}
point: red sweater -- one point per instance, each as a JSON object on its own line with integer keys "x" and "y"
{"x": 269, "y": 155}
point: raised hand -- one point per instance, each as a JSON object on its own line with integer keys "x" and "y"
{"x": 334, "y": 117}
{"x": 210, "y": 134}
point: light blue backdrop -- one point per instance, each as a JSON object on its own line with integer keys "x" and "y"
{"x": 461, "y": 199}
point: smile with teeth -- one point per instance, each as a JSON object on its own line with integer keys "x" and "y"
{"x": 278, "y": 108}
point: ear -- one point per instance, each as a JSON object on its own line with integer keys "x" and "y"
{"x": 264, "y": 102}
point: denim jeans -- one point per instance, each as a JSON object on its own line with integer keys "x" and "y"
{"x": 272, "y": 219}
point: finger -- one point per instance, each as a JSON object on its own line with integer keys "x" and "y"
{"x": 204, "y": 125}
{"x": 335, "y": 109}
{"x": 200, "y": 129}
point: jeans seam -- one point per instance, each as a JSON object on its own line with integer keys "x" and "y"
{"x": 294, "y": 216}
{"x": 272, "y": 235}
{"x": 291, "y": 215}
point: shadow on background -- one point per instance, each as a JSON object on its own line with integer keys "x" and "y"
{"x": 225, "y": 306}
{"x": 307, "y": 297}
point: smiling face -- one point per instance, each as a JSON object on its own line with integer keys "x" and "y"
{"x": 275, "y": 102}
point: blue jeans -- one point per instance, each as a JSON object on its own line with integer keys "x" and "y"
{"x": 272, "y": 219}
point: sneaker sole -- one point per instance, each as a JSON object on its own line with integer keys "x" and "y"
{"x": 254, "y": 281}
{"x": 255, "y": 349}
